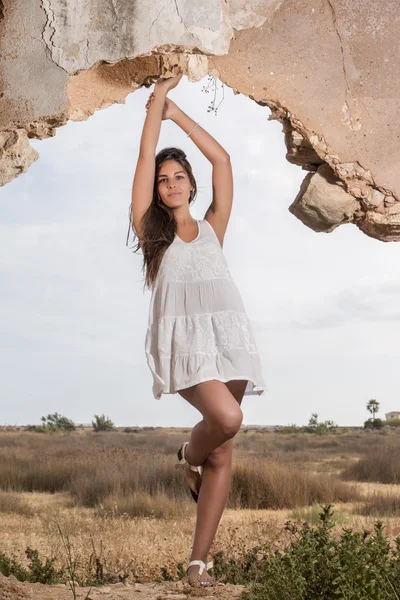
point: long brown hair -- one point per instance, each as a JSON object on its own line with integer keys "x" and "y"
{"x": 158, "y": 225}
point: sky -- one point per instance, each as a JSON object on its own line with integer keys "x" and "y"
{"x": 325, "y": 308}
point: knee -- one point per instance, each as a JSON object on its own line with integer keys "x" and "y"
{"x": 230, "y": 423}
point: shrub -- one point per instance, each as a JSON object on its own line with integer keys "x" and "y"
{"x": 354, "y": 566}
{"x": 53, "y": 423}
{"x": 10, "y": 566}
{"x": 318, "y": 427}
{"x": 290, "y": 429}
{"x": 102, "y": 423}
{"x": 38, "y": 571}
{"x": 373, "y": 424}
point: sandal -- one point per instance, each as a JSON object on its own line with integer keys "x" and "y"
{"x": 203, "y": 566}
{"x": 192, "y": 473}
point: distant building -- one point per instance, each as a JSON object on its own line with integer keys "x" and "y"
{"x": 395, "y": 414}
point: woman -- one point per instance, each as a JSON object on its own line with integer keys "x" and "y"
{"x": 199, "y": 341}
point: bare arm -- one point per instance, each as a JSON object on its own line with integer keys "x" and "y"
{"x": 152, "y": 124}
{"x": 205, "y": 142}
{"x": 218, "y": 213}
{"x": 143, "y": 181}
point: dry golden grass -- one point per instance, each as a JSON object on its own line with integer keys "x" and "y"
{"x": 13, "y": 503}
{"x": 149, "y": 543}
{"x": 382, "y": 505}
{"x": 381, "y": 464}
{"x": 134, "y": 474}
{"x": 118, "y": 496}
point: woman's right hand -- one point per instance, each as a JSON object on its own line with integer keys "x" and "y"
{"x": 167, "y": 84}
{"x": 169, "y": 110}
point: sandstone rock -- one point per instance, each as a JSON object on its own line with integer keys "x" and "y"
{"x": 322, "y": 204}
{"x": 16, "y": 154}
{"x": 380, "y": 226}
{"x": 328, "y": 71}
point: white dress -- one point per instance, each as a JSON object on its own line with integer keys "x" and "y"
{"x": 197, "y": 327}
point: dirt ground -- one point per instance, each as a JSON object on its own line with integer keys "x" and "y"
{"x": 12, "y": 589}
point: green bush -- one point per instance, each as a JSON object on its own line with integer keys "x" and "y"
{"x": 318, "y": 427}
{"x": 53, "y": 424}
{"x": 102, "y": 423}
{"x": 373, "y": 424}
{"x": 10, "y": 566}
{"x": 318, "y": 566}
{"x": 37, "y": 571}
{"x": 314, "y": 426}
{"x": 289, "y": 429}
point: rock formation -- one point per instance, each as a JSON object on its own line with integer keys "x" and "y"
{"x": 327, "y": 69}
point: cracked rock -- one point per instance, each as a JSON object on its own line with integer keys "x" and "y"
{"x": 16, "y": 154}
{"x": 326, "y": 69}
{"x": 322, "y": 204}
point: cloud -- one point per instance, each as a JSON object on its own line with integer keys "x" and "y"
{"x": 366, "y": 304}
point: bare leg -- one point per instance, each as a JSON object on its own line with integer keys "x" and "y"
{"x": 217, "y": 466}
{"x": 222, "y": 416}
{"x": 213, "y": 494}
{"x": 203, "y": 440}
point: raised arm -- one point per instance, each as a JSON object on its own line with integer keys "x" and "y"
{"x": 205, "y": 142}
{"x": 143, "y": 182}
{"x": 219, "y": 211}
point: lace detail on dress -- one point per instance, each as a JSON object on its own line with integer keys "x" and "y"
{"x": 206, "y": 333}
{"x": 198, "y": 329}
{"x": 196, "y": 262}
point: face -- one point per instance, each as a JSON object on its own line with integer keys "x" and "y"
{"x": 173, "y": 179}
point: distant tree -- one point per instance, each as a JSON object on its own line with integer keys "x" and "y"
{"x": 373, "y": 407}
{"x": 318, "y": 427}
{"x": 374, "y": 424}
{"x": 102, "y": 423}
{"x": 57, "y": 422}
{"x": 313, "y": 421}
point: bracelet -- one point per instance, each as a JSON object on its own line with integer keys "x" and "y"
{"x": 189, "y": 134}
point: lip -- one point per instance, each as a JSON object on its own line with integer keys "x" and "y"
{"x": 174, "y": 194}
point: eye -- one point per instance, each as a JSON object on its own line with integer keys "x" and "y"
{"x": 164, "y": 178}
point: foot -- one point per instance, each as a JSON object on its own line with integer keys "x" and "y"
{"x": 202, "y": 580}
{"x": 193, "y": 479}
{"x": 187, "y": 454}
{"x": 193, "y": 474}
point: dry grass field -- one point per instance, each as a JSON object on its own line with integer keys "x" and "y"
{"x": 121, "y": 501}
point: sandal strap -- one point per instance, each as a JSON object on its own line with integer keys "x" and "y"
{"x": 184, "y": 463}
{"x": 202, "y": 564}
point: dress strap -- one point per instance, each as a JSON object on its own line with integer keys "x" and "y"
{"x": 213, "y": 230}
{"x": 209, "y": 225}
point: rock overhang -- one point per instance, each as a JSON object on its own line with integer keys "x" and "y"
{"x": 327, "y": 70}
